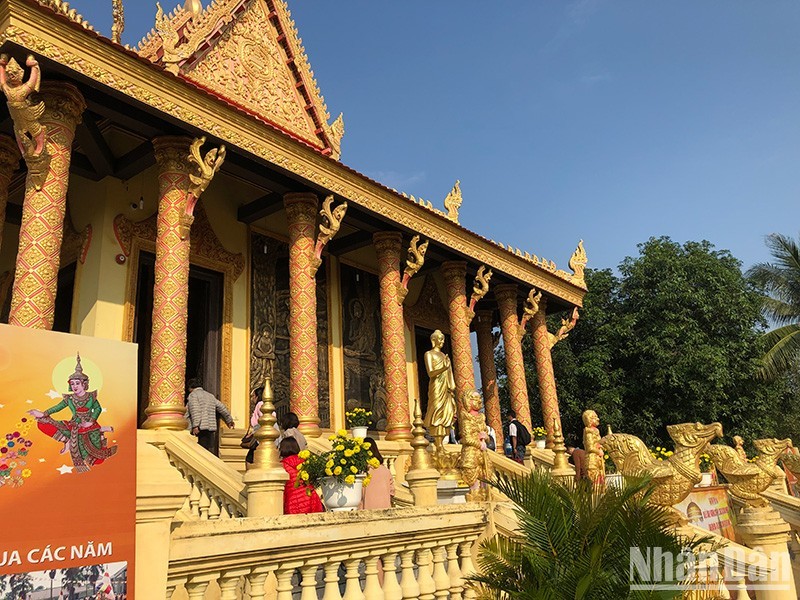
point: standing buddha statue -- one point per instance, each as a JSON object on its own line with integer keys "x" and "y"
{"x": 595, "y": 458}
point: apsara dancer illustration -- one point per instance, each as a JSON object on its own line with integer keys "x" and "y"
{"x": 82, "y": 435}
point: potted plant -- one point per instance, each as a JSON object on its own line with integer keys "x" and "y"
{"x": 358, "y": 420}
{"x": 706, "y": 470}
{"x": 539, "y": 435}
{"x": 340, "y": 472}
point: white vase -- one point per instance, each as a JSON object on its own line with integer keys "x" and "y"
{"x": 339, "y": 496}
{"x": 706, "y": 479}
{"x": 360, "y": 432}
{"x": 540, "y": 444}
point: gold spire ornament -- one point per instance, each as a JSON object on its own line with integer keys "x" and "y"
{"x": 578, "y": 263}
{"x": 118, "y": 15}
{"x": 452, "y": 202}
{"x": 195, "y": 7}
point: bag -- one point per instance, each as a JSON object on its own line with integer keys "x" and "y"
{"x": 490, "y": 445}
{"x": 523, "y": 435}
{"x": 248, "y": 439}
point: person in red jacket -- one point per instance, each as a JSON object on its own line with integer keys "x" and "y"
{"x": 303, "y": 498}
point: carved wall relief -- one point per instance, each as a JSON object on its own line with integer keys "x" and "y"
{"x": 269, "y": 323}
{"x": 363, "y": 367}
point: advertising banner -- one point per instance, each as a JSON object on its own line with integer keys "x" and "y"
{"x": 708, "y": 507}
{"x": 67, "y": 465}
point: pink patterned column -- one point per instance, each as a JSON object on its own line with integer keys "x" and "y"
{"x": 33, "y": 299}
{"x": 544, "y": 370}
{"x": 491, "y": 400}
{"x": 165, "y": 408}
{"x": 455, "y": 279}
{"x": 9, "y": 162}
{"x": 506, "y": 296}
{"x": 388, "y": 246}
{"x": 301, "y": 215}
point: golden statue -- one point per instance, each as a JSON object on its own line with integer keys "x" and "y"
{"x": 747, "y": 480}
{"x": 453, "y": 202}
{"x": 118, "y": 16}
{"x": 481, "y": 286}
{"x": 738, "y": 445}
{"x": 675, "y": 477}
{"x": 206, "y": 167}
{"x": 474, "y": 464}
{"x": 441, "y": 391}
{"x": 30, "y": 133}
{"x": 331, "y": 220}
{"x": 595, "y": 461}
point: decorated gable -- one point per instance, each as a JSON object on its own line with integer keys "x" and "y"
{"x": 247, "y": 52}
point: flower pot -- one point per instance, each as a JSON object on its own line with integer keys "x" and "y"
{"x": 339, "y": 496}
{"x": 540, "y": 444}
{"x": 360, "y": 431}
{"x": 706, "y": 479}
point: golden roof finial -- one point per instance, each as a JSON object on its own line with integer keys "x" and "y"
{"x": 118, "y": 15}
{"x": 193, "y": 6}
{"x": 452, "y": 202}
{"x": 578, "y": 263}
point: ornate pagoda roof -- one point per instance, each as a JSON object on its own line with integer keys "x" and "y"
{"x": 249, "y": 53}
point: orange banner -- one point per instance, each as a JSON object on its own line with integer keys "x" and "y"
{"x": 708, "y": 507}
{"x": 67, "y": 463}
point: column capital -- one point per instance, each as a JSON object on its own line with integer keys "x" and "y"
{"x": 9, "y": 156}
{"x": 452, "y": 268}
{"x": 484, "y": 319}
{"x": 506, "y": 291}
{"x": 388, "y": 241}
{"x": 301, "y": 207}
{"x": 172, "y": 153}
{"x": 63, "y": 104}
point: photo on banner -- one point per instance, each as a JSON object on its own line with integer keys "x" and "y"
{"x": 67, "y": 463}
{"x": 709, "y": 509}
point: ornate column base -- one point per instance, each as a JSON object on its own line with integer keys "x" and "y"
{"x": 762, "y": 528}
{"x": 164, "y": 417}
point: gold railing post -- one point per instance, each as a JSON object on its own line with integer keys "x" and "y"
{"x": 266, "y": 480}
{"x": 421, "y": 477}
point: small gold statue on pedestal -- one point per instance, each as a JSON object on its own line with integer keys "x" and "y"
{"x": 595, "y": 458}
{"x": 474, "y": 464}
{"x": 441, "y": 403}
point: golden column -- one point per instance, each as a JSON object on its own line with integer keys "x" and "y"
{"x": 542, "y": 343}
{"x": 301, "y": 215}
{"x": 178, "y": 160}
{"x": 506, "y": 296}
{"x": 455, "y": 279}
{"x": 33, "y": 298}
{"x": 388, "y": 247}
{"x": 491, "y": 400}
{"x": 9, "y": 162}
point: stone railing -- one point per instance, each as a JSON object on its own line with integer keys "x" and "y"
{"x": 399, "y": 554}
{"x": 217, "y": 490}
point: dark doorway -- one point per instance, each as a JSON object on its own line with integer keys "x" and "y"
{"x": 422, "y": 342}
{"x": 65, "y": 293}
{"x": 204, "y": 327}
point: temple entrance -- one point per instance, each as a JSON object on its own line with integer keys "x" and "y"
{"x": 422, "y": 343}
{"x": 204, "y": 327}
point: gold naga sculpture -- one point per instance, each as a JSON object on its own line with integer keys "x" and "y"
{"x": 452, "y": 202}
{"x": 479, "y": 289}
{"x": 328, "y": 227}
{"x": 577, "y": 263}
{"x": 205, "y": 169}
{"x": 748, "y": 479}
{"x": 414, "y": 262}
{"x": 26, "y": 115}
{"x": 474, "y": 464}
{"x": 675, "y": 477}
{"x": 567, "y": 325}
{"x": 529, "y": 309}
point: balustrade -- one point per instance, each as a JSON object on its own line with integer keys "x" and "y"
{"x": 423, "y": 554}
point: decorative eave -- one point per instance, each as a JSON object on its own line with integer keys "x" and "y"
{"x": 212, "y": 24}
{"x": 92, "y": 56}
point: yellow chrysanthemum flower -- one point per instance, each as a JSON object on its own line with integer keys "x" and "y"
{"x": 304, "y": 454}
{"x": 367, "y": 480}
{"x": 304, "y": 476}
{"x": 329, "y": 464}
{"x": 337, "y": 471}
{"x": 353, "y": 469}
{"x": 339, "y": 448}
{"x": 331, "y": 438}
{"x": 342, "y": 433}
{"x": 348, "y": 453}
{"x": 350, "y": 479}
{"x": 357, "y": 449}
{"x": 374, "y": 463}
{"x": 328, "y": 472}
{"x": 343, "y": 461}
{"x": 367, "y": 445}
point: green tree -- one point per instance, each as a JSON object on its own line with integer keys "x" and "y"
{"x": 13, "y": 586}
{"x": 780, "y": 282}
{"x": 575, "y": 542}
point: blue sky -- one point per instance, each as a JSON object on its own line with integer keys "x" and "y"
{"x": 607, "y": 121}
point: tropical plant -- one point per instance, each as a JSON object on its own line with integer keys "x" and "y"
{"x": 14, "y": 586}
{"x": 358, "y": 417}
{"x": 575, "y": 540}
{"x": 538, "y": 433}
{"x": 780, "y": 282}
{"x": 348, "y": 458}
